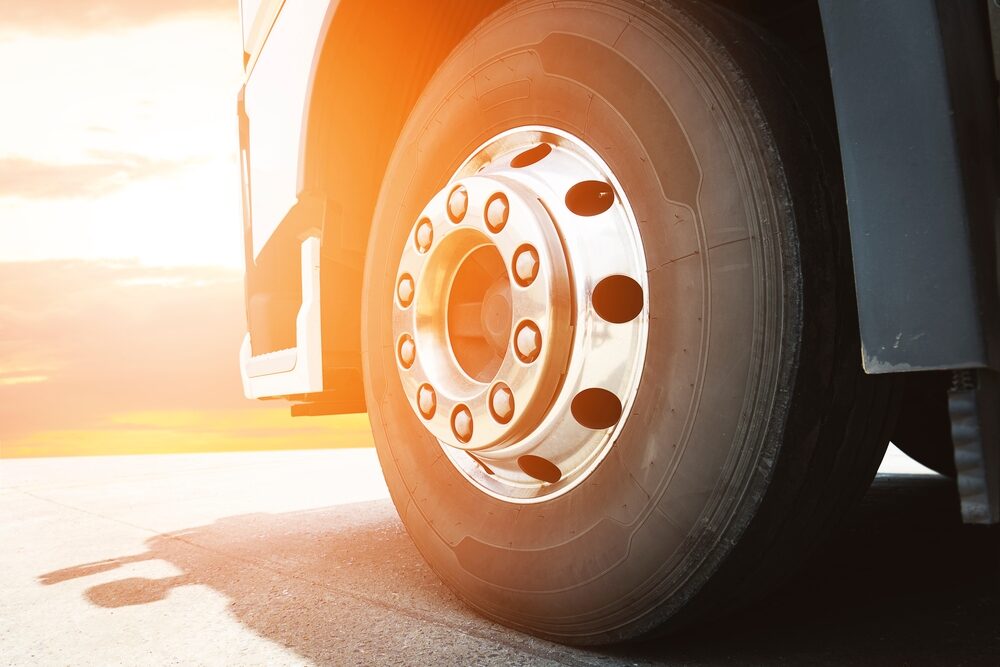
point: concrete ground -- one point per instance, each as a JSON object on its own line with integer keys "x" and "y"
{"x": 299, "y": 558}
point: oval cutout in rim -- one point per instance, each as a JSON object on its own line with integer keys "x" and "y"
{"x": 618, "y": 299}
{"x": 590, "y": 198}
{"x": 539, "y": 468}
{"x": 596, "y": 408}
{"x": 488, "y": 470}
{"x": 531, "y": 156}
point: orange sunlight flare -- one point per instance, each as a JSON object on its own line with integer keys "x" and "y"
{"x": 121, "y": 249}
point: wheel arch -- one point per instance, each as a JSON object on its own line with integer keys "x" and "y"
{"x": 371, "y": 63}
{"x": 374, "y": 57}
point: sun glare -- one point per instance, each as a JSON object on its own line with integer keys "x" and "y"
{"x": 122, "y": 145}
{"x": 121, "y": 241}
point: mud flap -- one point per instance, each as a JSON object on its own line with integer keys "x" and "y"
{"x": 298, "y": 370}
{"x": 974, "y": 404}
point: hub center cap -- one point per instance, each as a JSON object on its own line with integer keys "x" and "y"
{"x": 464, "y": 307}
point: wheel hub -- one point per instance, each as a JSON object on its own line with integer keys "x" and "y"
{"x": 499, "y": 340}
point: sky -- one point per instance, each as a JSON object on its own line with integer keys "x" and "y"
{"x": 121, "y": 303}
{"x": 118, "y": 134}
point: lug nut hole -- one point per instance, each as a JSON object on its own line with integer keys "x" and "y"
{"x": 590, "y": 198}
{"x": 458, "y": 204}
{"x": 404, "y": 290}
{"x": 423, "y": 238}
{"x": 596, "y": 408}
{"x": 461, "y": 423}
{"x": 527, "y": 341}
{"x": 539, "y": 468}
{"x": 502, "y": 403}
{"x": 496, "y": 213}
{"x": 407, "y": 351}
{"x": 526, "y": 265}
{"x": 618, "y": 299}
{"x": 427, "y": 401}
{"x": 531, "y": 156}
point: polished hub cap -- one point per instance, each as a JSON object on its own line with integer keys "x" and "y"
{"x": 502, "y": 349}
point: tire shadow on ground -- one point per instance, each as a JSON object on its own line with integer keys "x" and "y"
{"x": 903, "y": 583}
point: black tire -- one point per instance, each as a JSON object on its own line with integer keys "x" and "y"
{"x": 754, "y": 427}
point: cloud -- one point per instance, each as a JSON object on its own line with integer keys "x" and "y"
{"x": 117, "y": 358}
{"x": 115, "y": 338}
{"x": 88, "y": 15}
{"x": 30, "y": 179}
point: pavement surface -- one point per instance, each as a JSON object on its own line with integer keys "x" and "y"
{"x": 296, "y": 558}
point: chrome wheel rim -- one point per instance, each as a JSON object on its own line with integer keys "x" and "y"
{"x": 520, "y": 314}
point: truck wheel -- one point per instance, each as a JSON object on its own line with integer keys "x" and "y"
{"x": 611, "y": 352}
